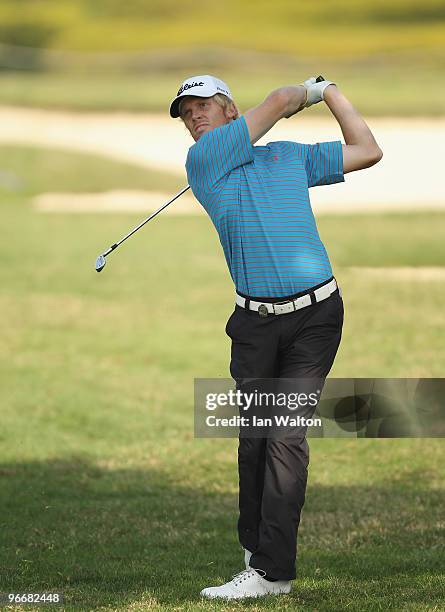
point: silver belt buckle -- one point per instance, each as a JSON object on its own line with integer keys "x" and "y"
{"x": 262, "y": 310}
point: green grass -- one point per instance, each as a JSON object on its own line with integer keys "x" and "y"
{"x": 145, "y": 526}
{"x": 386, "y": 239}
{"x": 109, "y": 55}
{"x": 339, "y": 28}
{"x": 31, "y": 170}
{"x": 105, "y": 494}
{"x": 377, "y": 88}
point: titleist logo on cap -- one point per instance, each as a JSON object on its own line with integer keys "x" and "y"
{"x": 189, "y": 86}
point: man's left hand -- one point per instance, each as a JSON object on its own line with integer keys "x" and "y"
{"x": 315, "y": 91}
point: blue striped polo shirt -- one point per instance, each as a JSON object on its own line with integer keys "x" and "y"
{"x": 257, "y": 197}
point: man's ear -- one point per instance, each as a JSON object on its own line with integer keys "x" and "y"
{"x": 232, "y": 113}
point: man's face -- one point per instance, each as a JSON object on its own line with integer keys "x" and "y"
{"x": 201, "y": 115}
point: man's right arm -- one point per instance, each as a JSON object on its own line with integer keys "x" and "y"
{"x": 281, "y": 103}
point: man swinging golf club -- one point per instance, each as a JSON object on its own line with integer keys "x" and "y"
{"x": 288, "y": 316}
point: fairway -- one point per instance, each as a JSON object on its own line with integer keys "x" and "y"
{"x": 370, "y": 85}
{"x": 106, "y": 494}
{"x": 108, "y": 55}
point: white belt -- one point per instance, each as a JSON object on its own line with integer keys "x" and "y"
{"x": 266, "y": 308}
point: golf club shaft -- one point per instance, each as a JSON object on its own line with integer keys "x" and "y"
{"x": 116, "y": 244}
{"x": 175, "y": 197}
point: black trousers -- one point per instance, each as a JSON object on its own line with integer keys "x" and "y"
{"x": 273, "y": 471}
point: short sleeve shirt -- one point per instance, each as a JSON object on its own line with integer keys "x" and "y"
{"x": 258, "y": 200}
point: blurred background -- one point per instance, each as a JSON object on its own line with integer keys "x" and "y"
{"x": 105, "y": 493}
{"x": 106, "y": 54}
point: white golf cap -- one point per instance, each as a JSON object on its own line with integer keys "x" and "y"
{"x": 203, "y": 86}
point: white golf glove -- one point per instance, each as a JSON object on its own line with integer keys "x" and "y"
{"x": 314, "y": 90}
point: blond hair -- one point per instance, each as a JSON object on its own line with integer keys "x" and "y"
{"x": 226, "y": 103}
{"x": 223, "y": 101}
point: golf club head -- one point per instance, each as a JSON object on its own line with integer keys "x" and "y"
{"x": 100, "y": 263}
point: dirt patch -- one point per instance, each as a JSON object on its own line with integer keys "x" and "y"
{"x": 405, "y": 178}
{"x": 116, "y": 202}
{"x": 125, "y": 201}
{"x": 404, "y": 274}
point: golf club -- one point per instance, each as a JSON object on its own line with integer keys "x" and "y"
{"x": 101, "y": 261}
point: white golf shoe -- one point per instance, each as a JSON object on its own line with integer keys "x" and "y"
{"x": 247, "y": 555}
{"x": 248, "y": 583}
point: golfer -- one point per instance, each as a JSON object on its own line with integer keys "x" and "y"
{"x": 288, "y": 315}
